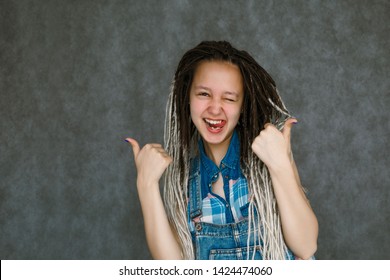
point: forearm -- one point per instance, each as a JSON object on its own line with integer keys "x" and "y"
{"x": 299, "y": 223}
{"x": 159, "y": 235}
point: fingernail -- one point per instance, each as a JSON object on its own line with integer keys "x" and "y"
{"x": 127, "y": 141}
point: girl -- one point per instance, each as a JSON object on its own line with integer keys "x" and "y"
{"x": 232, "y": 190}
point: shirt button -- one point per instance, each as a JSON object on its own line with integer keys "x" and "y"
{"x": 198, "y": 227}
{"x": 223, "y": 165}
{"x": 227, "y": 205}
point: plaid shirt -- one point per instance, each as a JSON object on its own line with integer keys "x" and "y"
{"x": 215, "y": 209}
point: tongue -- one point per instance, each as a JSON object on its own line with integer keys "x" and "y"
{"x": 216, "y": 125}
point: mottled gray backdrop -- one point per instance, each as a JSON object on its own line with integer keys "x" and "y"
{"x": 77, "y": 77}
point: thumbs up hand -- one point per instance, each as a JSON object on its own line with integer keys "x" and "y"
{"x": 272, "y": 146}
{"x": 151, "y": 162}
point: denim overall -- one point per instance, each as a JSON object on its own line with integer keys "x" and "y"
{"x": 214, "y": 241}
{"x": 225, "y": 240}
{"x": 220, "y": 242}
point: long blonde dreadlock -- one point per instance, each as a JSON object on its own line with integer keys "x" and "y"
{"x": 262, "y": 104}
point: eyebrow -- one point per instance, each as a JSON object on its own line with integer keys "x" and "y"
{"x": 202, "y": 87}
{"x": 231, "y": 93}
{"x": 226, "y": 92}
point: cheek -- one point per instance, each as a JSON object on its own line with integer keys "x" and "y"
{"x": 235, "y": 113}
{"x": 194, "y": 110}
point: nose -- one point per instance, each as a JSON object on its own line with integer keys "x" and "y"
{"x": 215, "y": 106}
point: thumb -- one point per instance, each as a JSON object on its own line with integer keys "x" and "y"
{"x": 135, "y": 146}
{"x": 287, "y": 127}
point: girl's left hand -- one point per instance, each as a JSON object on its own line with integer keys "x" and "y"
{"x": 272, "y": 146}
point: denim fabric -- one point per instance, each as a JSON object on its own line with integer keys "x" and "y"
{"x": 215, "y": 208}
{"x": 221, "y": 238}
{"x": 224, "y": 242}
{"x": 215, "y": 241}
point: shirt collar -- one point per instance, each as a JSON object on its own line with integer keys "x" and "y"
{"x": 230, "y": 160}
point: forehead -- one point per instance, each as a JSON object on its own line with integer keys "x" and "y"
{"x": 218, "y": 75}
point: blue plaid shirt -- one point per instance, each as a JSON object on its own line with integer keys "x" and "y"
{"x": 215, "y": 209}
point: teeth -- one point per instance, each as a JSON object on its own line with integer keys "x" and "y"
{"x": 213, "y": 122}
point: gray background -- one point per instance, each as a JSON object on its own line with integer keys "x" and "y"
{"x": 77, "y": 77}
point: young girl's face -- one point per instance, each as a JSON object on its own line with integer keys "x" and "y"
{"x": 216, "y": 98}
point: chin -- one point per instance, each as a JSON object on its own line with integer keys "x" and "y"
{"x": 215, "y": 139}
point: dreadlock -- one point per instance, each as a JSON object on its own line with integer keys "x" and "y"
{"x": 262, "y": 104}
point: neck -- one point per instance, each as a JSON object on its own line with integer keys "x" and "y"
{"x": 216, "y": 152}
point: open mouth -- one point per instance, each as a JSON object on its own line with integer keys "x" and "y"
{"x": 215, "y": 125}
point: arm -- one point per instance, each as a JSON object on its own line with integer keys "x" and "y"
{"x": 151, "y": 162}
{"x": 299, "y": 223}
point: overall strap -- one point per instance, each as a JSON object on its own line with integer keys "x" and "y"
{"x": 194, "y": 189}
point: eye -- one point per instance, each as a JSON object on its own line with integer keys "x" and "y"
{"x": 203, "y": 93}
{"x": 231, "y": 97}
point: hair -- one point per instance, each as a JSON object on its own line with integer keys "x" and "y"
{"x": 262, "y": 104}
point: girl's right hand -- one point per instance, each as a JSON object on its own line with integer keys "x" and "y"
{"x": 151, "y": 162}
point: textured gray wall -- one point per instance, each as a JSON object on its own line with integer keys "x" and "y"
{"x": 77, "y": 77}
